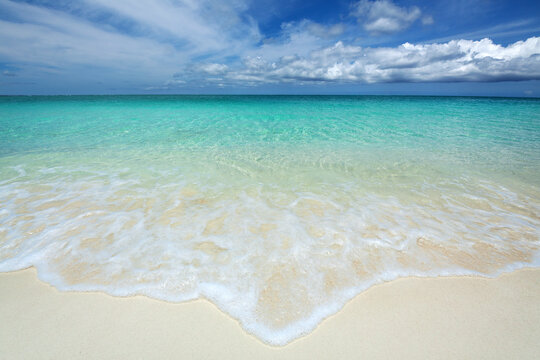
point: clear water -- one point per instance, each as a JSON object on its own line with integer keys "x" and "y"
{"x": 277, "y": 209}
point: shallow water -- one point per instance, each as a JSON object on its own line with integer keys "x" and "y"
{"x": 277, "y": 209}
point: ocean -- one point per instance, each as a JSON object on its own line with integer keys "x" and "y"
{"x": 277, "y": 209}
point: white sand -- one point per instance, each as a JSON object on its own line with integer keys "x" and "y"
{"x": 441, "y": 318}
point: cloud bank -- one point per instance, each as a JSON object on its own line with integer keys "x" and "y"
{"x": 453, "y": 61}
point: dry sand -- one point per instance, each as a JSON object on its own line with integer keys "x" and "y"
{"x": 438, "y": 318}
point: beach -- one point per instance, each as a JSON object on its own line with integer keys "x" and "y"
{"x": 411, "y": 318}
{"x": 278, "y": 210}
{"x": 269, "y": 179}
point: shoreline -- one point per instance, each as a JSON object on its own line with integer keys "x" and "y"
{"x": 441, "y": 317}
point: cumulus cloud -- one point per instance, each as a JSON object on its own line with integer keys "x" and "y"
{"x": 383, "y": 16}
{"x": 453, "y": 61}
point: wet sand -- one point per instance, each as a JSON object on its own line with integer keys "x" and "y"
{"x": 411, "y": 318}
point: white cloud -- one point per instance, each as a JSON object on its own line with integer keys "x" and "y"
{"x": 521, "y": 27}
{"x": 322, "y": 31}
{"x": 213, "y": 68}
{"x": 171, "y": 34}
{"x": 456, "y": 60}
{"x": 298, "y": 38}
{"x": 54, "y": 39}
{"x": 383, "y": 16}
{"x": 204, "y": 25}
{"x": 295, "y": 40}
{"x": 427, "y": 20}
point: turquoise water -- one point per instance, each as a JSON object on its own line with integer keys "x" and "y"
{"x": 278, "y": 209}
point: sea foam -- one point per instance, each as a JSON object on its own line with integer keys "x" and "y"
{"x": 277, "y": 260}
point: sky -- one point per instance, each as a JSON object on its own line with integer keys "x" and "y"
{"x": 452, "y": 47}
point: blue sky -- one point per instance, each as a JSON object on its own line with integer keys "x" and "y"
{"x": 474, "y": 47}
